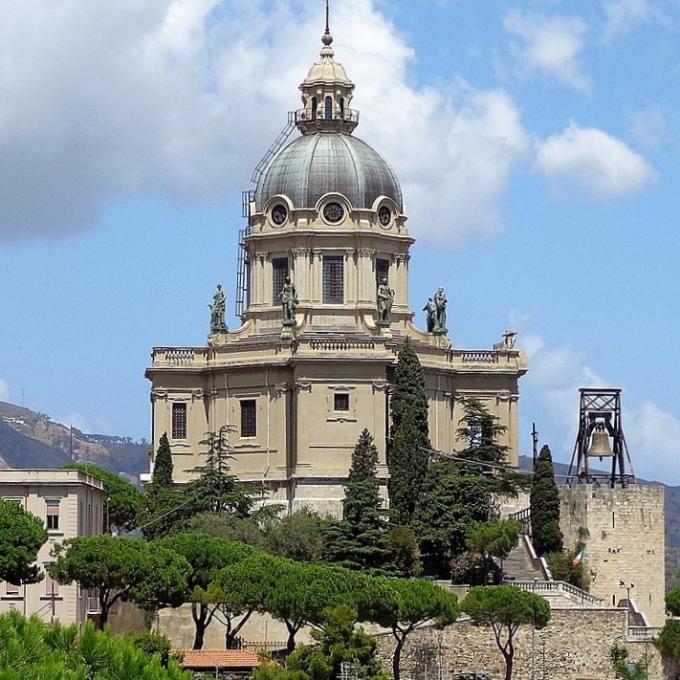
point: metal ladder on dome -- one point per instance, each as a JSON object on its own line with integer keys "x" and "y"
{"x": 242, "y": 270}
{"x": 274, "y": 148}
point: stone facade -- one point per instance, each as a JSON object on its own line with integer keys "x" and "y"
{"x": 328, "y": 213}
{"x": 71, "y": 504}
{"x": 574, "y": 646}
{"x": 623, "y": 530}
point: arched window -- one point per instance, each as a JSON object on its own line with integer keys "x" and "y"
{"x": 315, "y": 107}
{"x": 342, "y": 108}
{"x": 329, "y": 108}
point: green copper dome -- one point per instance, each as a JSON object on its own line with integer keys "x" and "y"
{"x": 316, "y": 164}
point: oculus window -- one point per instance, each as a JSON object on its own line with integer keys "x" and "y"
{"x": 333, "y": 280}
{"x": 248, "y": 418}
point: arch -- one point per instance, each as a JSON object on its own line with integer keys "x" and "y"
{"x": 342, "y": 108}
{"x": 328, "y": 108}
{"x": 315, "y": 107}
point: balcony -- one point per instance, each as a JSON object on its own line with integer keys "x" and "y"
{"x": 341, "y": 120}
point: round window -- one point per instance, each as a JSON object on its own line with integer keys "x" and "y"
{"x": 279, "y": 214}
{"x": 333, "y": 212}
{"x": 385, "y": 216}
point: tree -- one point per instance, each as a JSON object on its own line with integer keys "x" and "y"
{"x": 122, "y": 502}
{"x": 338, "y": 641}
{"x": 403, "y": 605}
{"x": 668, "y": 642}
{"x": 494, "y": 540}
{"x": 408, "y": 454}
{"x": 359, "y": 540}
{"x": 450, "y": 501}
{"x": 673, "y": 601}
{"x": 298, "y": 536}
{"x": 402, "y": 545}
{"x": 163, "y": 467}
{"x": 216, "y": 489}
{"x": 21, "y": 536}
{"x": 480, "y": 431}
{"x": 505, "y": 609}
{"x": 32, "y": 649}
{"x": 545, "y": 506}
{"x": 562, "y": 568}
{"x": 207, "y": 557}
{"x": 122, "y": 569}
{"x": 627, "y": 670}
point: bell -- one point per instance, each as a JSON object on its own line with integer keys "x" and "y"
{"x": 599, "y": 444}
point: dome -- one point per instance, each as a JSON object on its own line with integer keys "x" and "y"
{"x": 316, "y": 164}
{"x": 327, "y": 71}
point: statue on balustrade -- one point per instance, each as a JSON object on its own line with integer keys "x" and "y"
{"x": 217, "y": 311}
{"x": 431, "y": 315}
{"x": 440, "y": 303}
{"x": 289, "y": 302}
{"x": 385, "y": 302}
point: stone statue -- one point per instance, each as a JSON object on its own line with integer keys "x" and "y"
{"x": 289, "y": 302}
{"x": 440, "y": 303}
{"x": 217, "y": 310}
{"x": 385, "y": 302}
{"x": 431, "y": 310}
{"x": 508, "y": 341}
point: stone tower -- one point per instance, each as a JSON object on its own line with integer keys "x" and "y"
{"x": 298, "y": 382}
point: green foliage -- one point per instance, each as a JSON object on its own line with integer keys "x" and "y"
{"x": 410, "y": 435}
{"x": 450, "y": 501}
{"x": 480, "y": 431}
{"x": 673, "y": 601}
{"x": 402, "y": 545}
{"x": 122, "y": 569}
{"x": 562, "y": 569}
{"x": 163, "y": 467}
{"x": 152, "y": 643}
{"x": 248, "y": 530}
{"x": 493, "y": 540}
{"x": 359, "y": 540}
{"x": 545, "y": 506}
{"x": 164, "y": 510}
{"x": 123, "y": 500}
{"x": 31, "y": 650}
{"x": 216, "y": 489}
{"x": 474, "y": 569}
{"x": 403, "y": 605}
{"x": 625, "y": 669}
{"x": 668, "y": 642}
{"x": 338, "y": 641}
{"x": 298, "y": 536}
{"x": 505, "y": 609}
{"x": 21, "y": 536}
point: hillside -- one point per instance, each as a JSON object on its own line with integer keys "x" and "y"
{"x": 672, "y": 501}
{"x": 30, "y": 439}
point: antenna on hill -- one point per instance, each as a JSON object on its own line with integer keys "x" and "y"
{"x": 534, "y": 443}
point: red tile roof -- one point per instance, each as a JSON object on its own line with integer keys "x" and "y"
{"x": 220, "y": 658}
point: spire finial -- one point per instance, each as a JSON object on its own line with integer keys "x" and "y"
{"x": 327, "y": 38}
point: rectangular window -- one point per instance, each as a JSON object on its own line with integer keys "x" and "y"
{"x": 341, "y": 400}
{"x": 52, "y": 515}
{"x": 179, "y": 421}
{"x": 12, "y": 590}
{"x": 279, "y": 273}
{"x": 333, "y": 280}
{"x": 382, "y": 271}
{"x": 51, "y": 586}
{"x": 248, "y": 418}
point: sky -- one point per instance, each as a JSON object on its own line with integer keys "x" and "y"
{"x": 537, "y": 143}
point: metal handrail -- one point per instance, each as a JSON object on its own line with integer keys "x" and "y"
{"x": 348, "y": 115}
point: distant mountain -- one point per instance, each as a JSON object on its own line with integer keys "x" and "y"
{"x": 672, "y": 501}
{"x": 32, "y": 440}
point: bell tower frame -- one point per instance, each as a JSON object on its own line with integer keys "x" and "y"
{"x": 600, "y": 408}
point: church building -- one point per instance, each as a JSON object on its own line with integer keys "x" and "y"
{"x": 323, "y": 294}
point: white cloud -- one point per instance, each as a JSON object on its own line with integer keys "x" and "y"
{"x": 4, "y": 390}
{"x": 594, "y": 160}
{"x": 180, "y": 98}
{"x": 549, "y": 46}
{"x": 648, "y": 127}
{"x": 552, "y": 386}
{"x": 623, "y": 15}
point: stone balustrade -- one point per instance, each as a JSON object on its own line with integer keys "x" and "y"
{"x": 560, "y": 588}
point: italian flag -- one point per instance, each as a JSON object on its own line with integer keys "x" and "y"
{"x": 578, "y": 559}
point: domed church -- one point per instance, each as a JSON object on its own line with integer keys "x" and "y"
{"x": 323, "y": 294}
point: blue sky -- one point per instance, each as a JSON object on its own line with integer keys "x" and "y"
{"x": 537, "y": 143}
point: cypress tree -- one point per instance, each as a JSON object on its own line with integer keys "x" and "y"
{"x": 163, "y": 468}
{"x": 408, "y": 456}
{"x": 359, "y": 540}
{"x": 545, "y": 506}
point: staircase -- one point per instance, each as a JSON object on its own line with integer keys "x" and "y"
{"x": 522, "y": 564}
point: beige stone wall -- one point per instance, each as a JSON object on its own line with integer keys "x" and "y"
{"x": 625, "y": 542}
{"x": 574, "y": 646}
